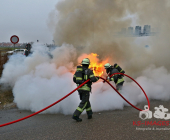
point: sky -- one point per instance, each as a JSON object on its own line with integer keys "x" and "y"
{"x": 26, "y": 19}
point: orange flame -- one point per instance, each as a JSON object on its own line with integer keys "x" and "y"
{"x": 96, "y": 65}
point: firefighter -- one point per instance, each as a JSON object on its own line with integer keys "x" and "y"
{"x": 81, "y": 75}
{"x": 28, "y": 49}
{"x": 118, "y": 78}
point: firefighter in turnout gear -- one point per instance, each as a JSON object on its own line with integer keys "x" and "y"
{"x": 118, "y": 78}
{"x": 81, "y": 75}
{"x": 28, "y": 49}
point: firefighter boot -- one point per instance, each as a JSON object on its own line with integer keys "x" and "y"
{"x": 89, "y": 114}
{"x": 76, "y": 118}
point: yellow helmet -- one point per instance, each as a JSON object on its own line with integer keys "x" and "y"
{"x": 85, "y": 61}
{"x": 107, "y": 66}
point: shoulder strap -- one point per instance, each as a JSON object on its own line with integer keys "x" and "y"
{"x": 86, "y": 74}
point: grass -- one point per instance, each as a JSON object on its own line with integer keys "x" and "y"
{"x": 8, "y": 48}
{"x": 5, "y": 48}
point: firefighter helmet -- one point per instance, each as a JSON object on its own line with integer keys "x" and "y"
{"x": 86, "y": 61}
{"x": 107, "y": 66}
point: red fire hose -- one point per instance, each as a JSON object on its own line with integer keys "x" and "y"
{"x": 70, "y": 94}
{"x": 44, "y": 108}
{"x": 123, "y": 97}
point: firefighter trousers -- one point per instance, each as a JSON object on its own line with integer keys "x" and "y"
{"x": 84, "y": 104}
{"x": 119, "y": 86}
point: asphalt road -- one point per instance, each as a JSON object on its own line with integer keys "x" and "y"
{"x": 106, "y": 125}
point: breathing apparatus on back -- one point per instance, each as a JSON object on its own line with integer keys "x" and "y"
{"x": 80, "y": 72}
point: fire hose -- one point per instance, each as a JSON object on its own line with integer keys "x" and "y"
{"x": 126, "y": 99}
{"x": 74, "y": 91}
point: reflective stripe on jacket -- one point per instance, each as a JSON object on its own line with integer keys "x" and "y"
{"x": 88, "y": 75}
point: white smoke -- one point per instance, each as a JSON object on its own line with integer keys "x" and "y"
{"x": 154, "y": 81}
{"x": 38, "y": 81}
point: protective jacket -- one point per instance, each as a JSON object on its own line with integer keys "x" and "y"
{"x": 28, "y": 47}
{"x": 118, "y": 68}
{"x": 114, "y": 77}
{"x": 87, "y": 74}
{"x": 118, "y": 78}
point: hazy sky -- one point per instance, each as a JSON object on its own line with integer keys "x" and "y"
{"x": 27, "y": 19}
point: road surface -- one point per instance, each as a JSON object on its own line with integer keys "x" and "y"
{"x": 106, "y": 125}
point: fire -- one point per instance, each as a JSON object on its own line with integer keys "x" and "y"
{"x": 96, "y": 65}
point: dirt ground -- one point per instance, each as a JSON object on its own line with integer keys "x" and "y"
{"x": 6, "y": 99}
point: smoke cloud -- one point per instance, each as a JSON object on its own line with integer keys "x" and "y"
{"x": 84, "y": 27}
{"x": 39, "y": 80}
{"x": 92, "y": 24}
